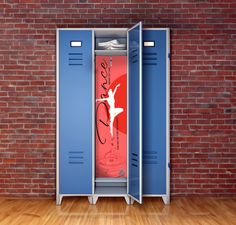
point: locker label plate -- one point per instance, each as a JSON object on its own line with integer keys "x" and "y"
{"x": 76, "y": 43}
{"x": 149, "y": 43}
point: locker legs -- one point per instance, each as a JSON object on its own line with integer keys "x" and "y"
{"x": 93, "y": 200}
{"x": 90, "y": 199}
{"x": 166, "y": 199}
{"x": 132, "y": 201}
{"x": 128, "y": 200}
{"x": 59, "y": 199}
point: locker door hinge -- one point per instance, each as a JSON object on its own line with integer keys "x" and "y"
{"x": 169, "y": 55}
{"x": 169, "y": 165}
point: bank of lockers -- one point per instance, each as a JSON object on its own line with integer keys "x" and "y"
{"x": 147, "y": 171}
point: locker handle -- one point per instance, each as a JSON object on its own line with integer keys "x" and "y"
{"x": 76, "y": 44}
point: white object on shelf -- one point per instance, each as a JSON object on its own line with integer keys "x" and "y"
{"x": 111, "y": 45}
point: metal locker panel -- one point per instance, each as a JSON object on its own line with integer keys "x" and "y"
{"x": 75, "y": 111}
{"x": 135, "y": 112}
{"x": 154, "y": 112}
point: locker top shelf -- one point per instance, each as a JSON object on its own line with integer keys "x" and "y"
{"x": 113, "y": 180}
{"x": 110, "y": 52}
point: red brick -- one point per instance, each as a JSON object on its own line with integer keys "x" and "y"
{"x": 202, "y": 89}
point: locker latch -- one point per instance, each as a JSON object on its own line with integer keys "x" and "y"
{"x": 169, "y": 55}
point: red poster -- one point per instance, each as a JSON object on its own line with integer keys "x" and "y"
{"x": 111, "y": 111}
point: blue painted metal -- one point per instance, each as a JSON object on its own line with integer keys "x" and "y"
{"x": 154, "y": 113}
{"x": 75, "y": 112}
{"x": 134, "y": 101}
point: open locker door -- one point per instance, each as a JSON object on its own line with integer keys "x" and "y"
{"x": 135, "y": 112}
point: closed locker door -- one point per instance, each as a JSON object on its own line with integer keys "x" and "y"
{"x": 154, "y": 112}
{"x": 135, "y": 112}
{"x": 75, "y": 112}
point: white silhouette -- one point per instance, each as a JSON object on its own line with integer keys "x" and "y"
{"x": 112, "y": 110}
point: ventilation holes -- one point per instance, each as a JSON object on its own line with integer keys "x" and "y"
{"x": 75, "y": 59}
{"x": 149, "y": 157}
{"x": 76, "y": 157}
{"x": 134, "y": 159}
{"x": 134, "y": 55}
{"x": 150, "y": 59}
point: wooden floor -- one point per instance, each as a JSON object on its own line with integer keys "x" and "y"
{"x": 109, "y": 211}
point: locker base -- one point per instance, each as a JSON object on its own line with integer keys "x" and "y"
{"x": 93, "y": 199}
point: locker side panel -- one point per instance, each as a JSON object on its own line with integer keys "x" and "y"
{"x": 75, "y": 112}
{"x": 154, "y": 112}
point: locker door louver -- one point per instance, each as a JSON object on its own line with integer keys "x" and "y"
{"x": 134, "y": 55}
{"x": 150, "y": 157}
{"x": 135, "y": 159}
{"x": 75, "y": 59}
{"x": 150, "y": 59}
{"x": 76, "y": 157}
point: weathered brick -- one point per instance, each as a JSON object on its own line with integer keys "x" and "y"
{"x": 203, "y": 98}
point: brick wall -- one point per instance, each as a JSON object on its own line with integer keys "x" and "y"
{"x": 203, "y": 88}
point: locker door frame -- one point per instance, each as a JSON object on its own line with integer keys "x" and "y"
{"x": 58, "y": 195}
{"x": 140, "y": 111}
{"x": 166, "y": 197}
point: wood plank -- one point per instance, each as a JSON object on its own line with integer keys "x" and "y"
{"x": 113, "y": 211}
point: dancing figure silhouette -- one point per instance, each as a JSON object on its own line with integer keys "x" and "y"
{"x": 113, "y": 111}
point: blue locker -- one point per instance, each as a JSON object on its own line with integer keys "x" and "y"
{"x": 148, "y": 113}
{"x": 154, "y": 112}
{"x": 75, "y": 110}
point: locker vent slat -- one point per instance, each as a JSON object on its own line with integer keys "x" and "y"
{"x": 75, "y": 64}
{"x": 75, "y": 59}
{"x": 76, "y": 53}
{"x": 76, "y": 157}
{"x": 134, "y": 55}
{"x": 150, "y": 157}
{"x": 134, "y": 159}
{"x": 150, "y": 59}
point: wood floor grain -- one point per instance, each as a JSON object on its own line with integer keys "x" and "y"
{"x": 114, "y": 211}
